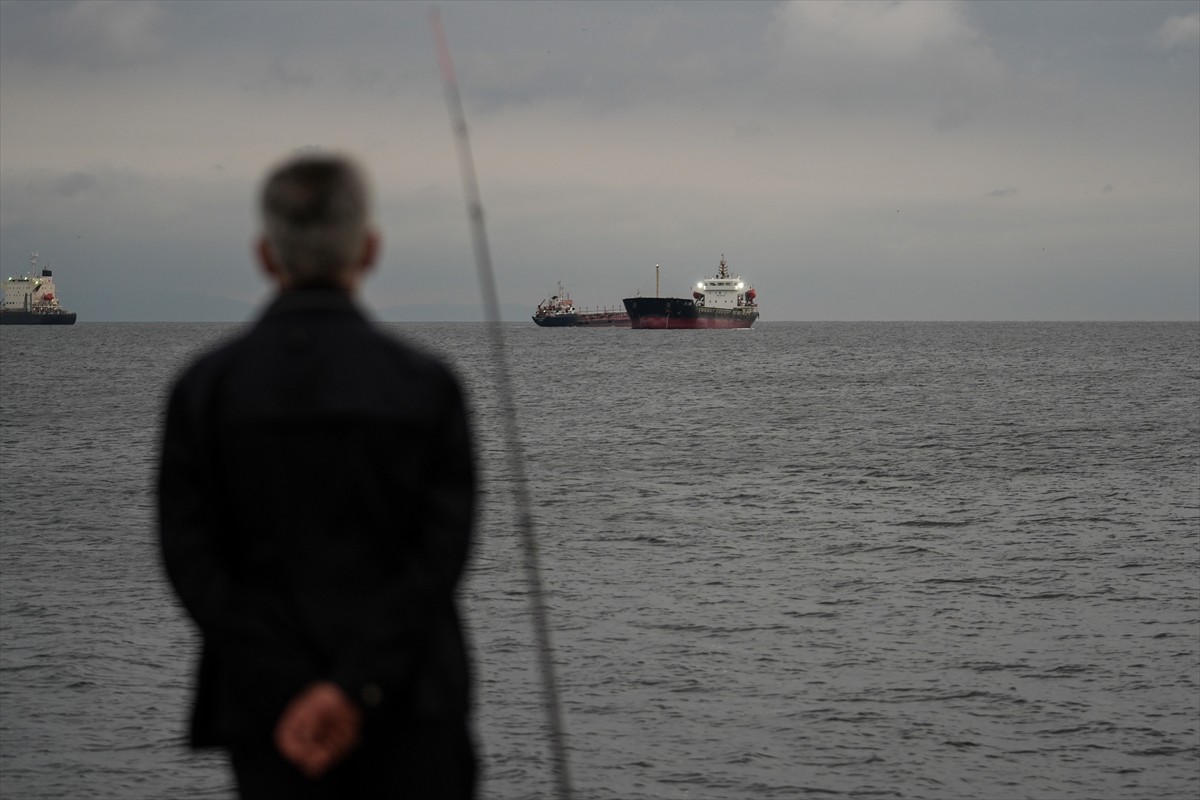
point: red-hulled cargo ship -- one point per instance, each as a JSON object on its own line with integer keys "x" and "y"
{"x": 720, "y": 302}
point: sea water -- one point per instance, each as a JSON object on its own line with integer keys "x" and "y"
{"x": 869, "y": 560}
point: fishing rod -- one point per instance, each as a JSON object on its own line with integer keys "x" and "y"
{"x": 508, "y": 411}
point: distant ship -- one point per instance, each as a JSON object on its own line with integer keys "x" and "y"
{"x": 560, "y": 312}
{"x": 32, "y": 299}
{"x": 720, "y": 302}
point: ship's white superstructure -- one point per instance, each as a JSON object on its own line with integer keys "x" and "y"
{"x": 32, "y": 299}
{"x": 32, "y": 292}
{"x": 723, "y": 291}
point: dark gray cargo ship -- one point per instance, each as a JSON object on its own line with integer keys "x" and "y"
{"x": 560, "y": 312}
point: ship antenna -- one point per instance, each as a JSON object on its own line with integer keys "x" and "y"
{"x": 516, "y": 461}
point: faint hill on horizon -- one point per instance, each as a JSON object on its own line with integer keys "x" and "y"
{"x": 449, "y": 312}
{"x": 192, "y": 306}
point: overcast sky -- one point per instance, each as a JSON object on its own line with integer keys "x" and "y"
{"x": 851, "y": 160}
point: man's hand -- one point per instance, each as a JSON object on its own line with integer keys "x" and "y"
{"x": 318, "y": 729}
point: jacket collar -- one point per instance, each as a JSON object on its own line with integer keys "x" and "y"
{"x": 312, "y": 299}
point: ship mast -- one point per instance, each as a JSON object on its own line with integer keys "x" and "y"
{"x": 656, "y": 280}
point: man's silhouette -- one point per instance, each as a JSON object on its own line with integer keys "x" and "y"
{"x": 316, "y": 495}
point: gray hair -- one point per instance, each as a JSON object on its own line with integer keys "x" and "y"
{"x": 315, "y": 215}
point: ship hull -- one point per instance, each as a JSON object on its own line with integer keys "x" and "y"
{"x": 613, "y": 320}
{"x": 33, "y": 318}
{"x": 681, "y": 313}
{"x": 557, "y": 321}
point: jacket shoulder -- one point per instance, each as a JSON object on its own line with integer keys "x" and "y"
{"x": 206, "y": 369}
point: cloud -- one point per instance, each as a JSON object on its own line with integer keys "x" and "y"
{"x": 877, "y": 30}
{"x": 109, "y": 203}
{"x": 609, "y": 138}
{"x": 93, "y": 34}
{"x": 117, "y": 29}
{"x": 866, "y": 57}
{"x": 1180, "y": 31}
{"x": 73, "y": 184}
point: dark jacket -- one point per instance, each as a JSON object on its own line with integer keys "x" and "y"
{"x": 316, "y": 496}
